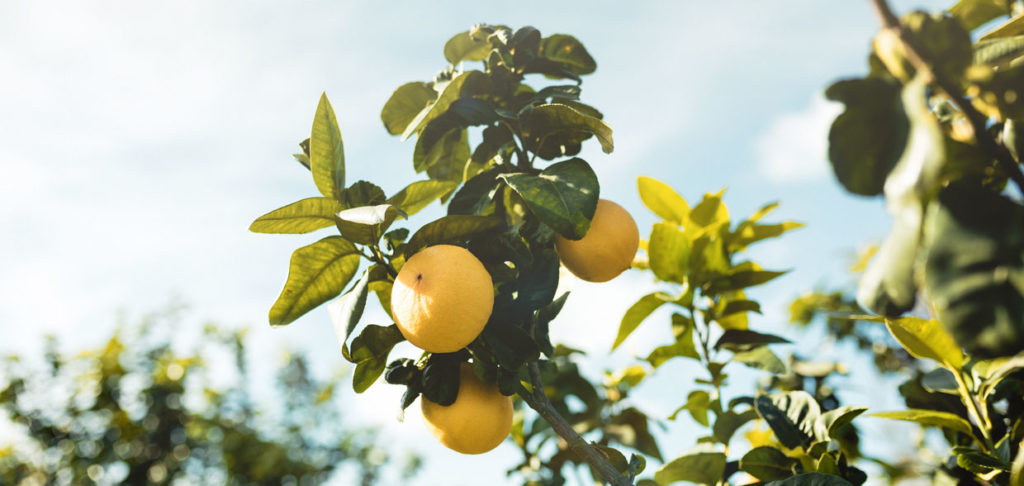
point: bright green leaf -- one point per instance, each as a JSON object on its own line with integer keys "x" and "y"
{"x": 370, "y": 353}
{"x": 812, "y": 479}
{"x": 317, "y": 273}
{"x": 698, "y": 402}
{"x": 302, "y": 216}
{"x": 767, "y": 463}
{"x": 564, "y": 196}
{"x": 405, "y": 103}
{"x": 975, "y": 13}
{"x": 792, "y": 416}
{"x": 668, "y": 252}
{"x": 926, "y": 339}
{"x": 346, "y": 311}
{"x": 464, "y": 46}
{"x": 451, "y": 229}
{"x": 761, "y": 358}
{"x": 637, "y": 313}
{"x": 326, "y": 152}
{"x": 682, "y": 328}
{"x": 365, "y": 225}
{"x": 548, "y": 121}
{"x": 420, "y": 194}
{"x": 663, "y": 200}
{"x": 829, "y": 423}
{"x": 933, "y": 418}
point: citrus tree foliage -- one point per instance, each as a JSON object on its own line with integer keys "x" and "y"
{"x": 136, "y": 411}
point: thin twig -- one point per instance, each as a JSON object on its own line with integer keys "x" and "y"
{"x": 923, "y": 62}
{"x": 973, "y": 409}
{"x": 540, "y": 403}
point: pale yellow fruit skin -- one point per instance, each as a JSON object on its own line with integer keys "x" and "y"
{"x": 477, "y": 422}
{"x": 608, "y": 247}
{"x": 442, "y": 298}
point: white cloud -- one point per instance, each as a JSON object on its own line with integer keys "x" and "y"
{"x": 794, "y": 148}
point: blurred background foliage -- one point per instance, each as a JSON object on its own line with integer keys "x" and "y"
{"x": 139, "y": 410}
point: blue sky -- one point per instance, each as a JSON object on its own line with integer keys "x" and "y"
{"x": 139, "y": 139}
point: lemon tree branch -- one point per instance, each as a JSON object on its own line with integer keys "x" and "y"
{"x": 921, "y": 60}
{"x": 539, "y": 402}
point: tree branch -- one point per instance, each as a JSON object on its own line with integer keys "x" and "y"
{"x": 540, "y": 403}
{"x": 922, "y": 61}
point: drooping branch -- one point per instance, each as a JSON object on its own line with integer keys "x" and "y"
{"x": 539, "y": 402}
{"x": 920, "y": 58}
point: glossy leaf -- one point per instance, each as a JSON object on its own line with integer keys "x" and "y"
{"x": 1014, "y": 27}
{"x": 728, "y": 422}
{"x": 346, "y": 311}
{"x": 441, "y": 378}
{"x": 420, "y": 194}
{"x": 317, "y": 273}
{"x": 767, "y": 463}
{"x": 741, "y": 280}
{"x": 302, "y": 216}
{"x": 370, "y": 353}
{"x": 698, "y": 402}
{"x": 700, "y": 468}
{"x": 792, "y": 416}
{"x": 663, "y": 200}
{"x": 710, "y": 212}
{"x": 547, "y": 121}
{"x": 326, "y": 152}
{"x": 466, "y": 84}
{"x": 830, "y": 423}
{"x": 365, "y": 225}
{"x": 451, "y": 229}
{"x": 975, "y": 269}
{"x": 867, "y": 139}
{"x": 636, "y": 314}
{"x": 476, "y": 194}
{"x": 926, "y": 339}
{"x": 638, "y": 436}
{"x": 933, "y": 418}
{"x": 563, "y": 196}
{"x": 405, "y": 103}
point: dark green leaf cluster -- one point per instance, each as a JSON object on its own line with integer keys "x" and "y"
{"x": 136, "y": 411}
{"x": 933, "y": 128}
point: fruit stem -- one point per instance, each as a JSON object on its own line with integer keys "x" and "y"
{"x": 540, "y": 403}
{"x": 922, "y": 61}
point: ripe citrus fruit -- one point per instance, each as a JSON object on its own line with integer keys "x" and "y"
{"x": 608, "y": 247}
{"x": 442, "y": 298}
{"x": 477, "y": 422}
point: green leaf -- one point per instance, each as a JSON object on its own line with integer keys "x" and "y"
{"x": 888, "y": 287}
{"x": 464, "y": 46}
{"x": 700, "y": 468}
{"x": 998, "y": 51}
{"x": 420, "y": 194}
{"x": 302, "y": 216}
{"x": 370, "y": 353}
{"x": 1014, "y": 27}
{"x": 316, "y": 274}
{"x": 710, "y": 212}
{"x": 829, "y": 423}
{"x": 668, "y": 252}
{"x": 767, "y": 463}
{"x": 636, "y": 434}
{"x": 663, "y": 200}
{"x": 637, "y": 313}
{"x": 326, "y": 153}
{"x": 511, "y": 345}
{"x": 563, "y": 196}
{"x": 744, "y": 340}
{"x": 978, "y": 462}
{"x": 697, "y": 404}
{"x": 975, "y": 13}
{"x": 554, "y": 120}
{"x": 346, "y": 311}
{"x": 442, "y": 150}
{"x": 682, "y": 328}
{"x": 728, "y": 422}
{"x": 926, "y": 339}
{"x": 741, "y": 280}
{"x": 567, "y": 52}
{"x": 543, "y": 318}
{"x": 1017, "y": 468}
{"x": 441, "y": 378}
{"x": 761, "y": 358}
{"x": 451, "y": 229}
{"x": 792, "y": 416}
{"x": 476, "y": 194}
{"x": 365, "y": 225}
{"x": 933, "y": 418}
{"x": 975, "y": 268}
{"x": 405, "y": 103}
{"x": 812, "y": 479}
{"x": 867, "y": 139}
{"x": 470, "y": 83}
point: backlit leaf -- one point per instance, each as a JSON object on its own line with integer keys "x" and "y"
{"x": 637, "y": 313}
{"x": 317, "y": 273}
{"x": 926, "y": 339}
{"x": 370, "y": 353}
{"x": 303, "y": 216}
{"x": 933, "y": 418}
{"x": 700, "y": 468}
{"x": 663, "y": 200}
{"x": 405, "y": 103}
{"x": 326, "y": 152}
{"x": 564, "y": 196}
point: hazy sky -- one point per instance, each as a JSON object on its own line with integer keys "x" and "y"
{"x": 138, "y": 140}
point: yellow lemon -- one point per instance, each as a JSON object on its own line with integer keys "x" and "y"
{"x": 477, "y": 422}
{"x": 442, "y": 298}
{"x": 608, "y": 247}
